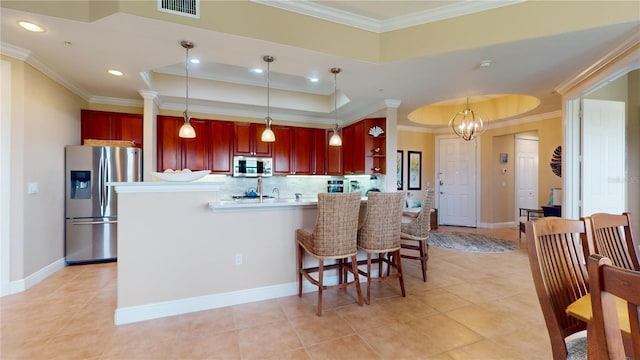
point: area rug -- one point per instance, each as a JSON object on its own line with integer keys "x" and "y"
{"x": 469, "y": 242}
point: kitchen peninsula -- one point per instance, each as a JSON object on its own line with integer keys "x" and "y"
{"x": 181, "y": 249}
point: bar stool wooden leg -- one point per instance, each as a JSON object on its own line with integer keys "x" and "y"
{"x": 368, "y": 299}
{"x": 320, "y": 285}
{"x": 398, "y": 264}
{"x": 354, "y": 268}
{"x": 300, "y": 261}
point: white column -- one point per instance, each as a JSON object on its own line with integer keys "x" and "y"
{"x": 392, "y": 143}
{"x": 149, "y": 133}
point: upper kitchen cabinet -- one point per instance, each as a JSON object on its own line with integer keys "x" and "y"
{"x": 375, "y": 145}
{"x": 211, "y": 149}
{"x": 105, "y": 125}
{"x": 281, "y": 150}
{"x": 221, "y": 147}
{"x": 248, "y": 142}
{"x": 294, "y": 151}
{"x": 353, "y": 149}
{"x": 195, "y": 151}
{"x": 319, "y": 157}
{"x": 334, "y": 155}
{"x": 303, "y": 151}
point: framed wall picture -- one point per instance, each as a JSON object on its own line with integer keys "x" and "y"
{"x": 415, "y": 170}
{"x": 399, "y": 172}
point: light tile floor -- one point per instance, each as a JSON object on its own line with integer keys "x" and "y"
{"x": 473, "y": 306}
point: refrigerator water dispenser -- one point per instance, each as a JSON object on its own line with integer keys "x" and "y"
{"x": 80, "y": 185}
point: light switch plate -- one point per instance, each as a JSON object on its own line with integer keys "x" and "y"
{"x": 32, "y": 188}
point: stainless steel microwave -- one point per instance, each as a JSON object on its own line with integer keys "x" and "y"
{"x": 245, "y": 166}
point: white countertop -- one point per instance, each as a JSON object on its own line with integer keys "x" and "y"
{"x": 266, "y": 203}
{"x": 163, "y": 186}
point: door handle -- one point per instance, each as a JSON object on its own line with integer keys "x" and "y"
{"x": 94, "y": 222}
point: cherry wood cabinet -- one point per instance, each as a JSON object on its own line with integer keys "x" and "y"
{"x": 334, "y": 154}
{"x": 353, "y": 149}
{"x": 169, "y": 146}
{"x": 106, "y": 125}
{"x": 248, "y": 142}
{"x": 221, "y": 147}
{"x": 195, "y": 151}
{"x": 281, "y": 150}
{"x": 211, "y": 149}
{"x": 303, "y": 151}
{"x": 319, "y": 154}
{"x": 294, "y": 150}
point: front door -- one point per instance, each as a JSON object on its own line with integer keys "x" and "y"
{"x": 456, "y": 186}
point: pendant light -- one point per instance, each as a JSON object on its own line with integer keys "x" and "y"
{"x": 267, "y": 134}
{"x": 467, "y": 124}
{"x": 335, "y": 139}
{"x": 186, "y": 130}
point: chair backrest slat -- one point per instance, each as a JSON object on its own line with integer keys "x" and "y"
{"x": 556, "y": 255}
{"x": 613, "y": 238}
{"x": 607, "y": 280}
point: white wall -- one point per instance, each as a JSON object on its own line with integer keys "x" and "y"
{"x": 44, "y": 118}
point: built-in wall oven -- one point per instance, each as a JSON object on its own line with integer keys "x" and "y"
{"x": 335, "y": 186}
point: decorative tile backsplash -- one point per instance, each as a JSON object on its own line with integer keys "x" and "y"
{"x": 288, "y": 186}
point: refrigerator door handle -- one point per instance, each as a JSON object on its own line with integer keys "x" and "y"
{"x": 102, "y": 174}
{"x": 79, "y": 222}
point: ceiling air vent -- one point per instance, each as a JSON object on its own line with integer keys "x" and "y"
{"x": 190, "y": 8}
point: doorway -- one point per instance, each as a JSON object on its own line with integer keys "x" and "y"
{"x": 603, "y": 157}
{"x": 526, "y": 173}
{"x": 457, "y": 183}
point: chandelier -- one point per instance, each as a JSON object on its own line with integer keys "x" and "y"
{"x": 466, "y": 124}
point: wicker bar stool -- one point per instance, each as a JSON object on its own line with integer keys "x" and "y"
{"x": 415, "y": 232}
{"x": 333, "y": 237}
{"x": 380, "y": 234}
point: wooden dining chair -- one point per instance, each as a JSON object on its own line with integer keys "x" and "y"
{"x": 334, "y": 237}
{"x": 608, "y": 282}
{"x": 556, "y": 254}
{"x": 380, "y": 234}
{"x": 415, "y": 232}
{"x": 613, "y": 238}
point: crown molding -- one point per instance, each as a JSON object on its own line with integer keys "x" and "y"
{"x": 115, "y": 101}
{"x": 347, "y": 18}
{"x": 628, "y": 45}
{"x": 14, "y": 51}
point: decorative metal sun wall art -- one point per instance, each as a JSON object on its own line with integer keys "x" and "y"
{"x": 556, "y": 161}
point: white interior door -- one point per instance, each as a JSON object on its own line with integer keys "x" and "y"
{"x": 457, "y": 204}
{"x": 603, "y": 159}
{"x": 526, "y": 175}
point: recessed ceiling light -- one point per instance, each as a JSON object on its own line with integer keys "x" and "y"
{"x": 485, "y": 63}
{"x": 115, "y": 72}
{"x": 30, "y": 26}
{"x": 313, "y": 79}
{"x": 257, "y": 70}
{"x": 195, "y": 61}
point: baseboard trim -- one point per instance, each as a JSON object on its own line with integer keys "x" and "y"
{"x": 18, "y": 286}
{"x": 132, "y": 314}
{"x": 503, "y": 225}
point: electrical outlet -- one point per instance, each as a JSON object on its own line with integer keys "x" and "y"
{"x": 238, "y": 259}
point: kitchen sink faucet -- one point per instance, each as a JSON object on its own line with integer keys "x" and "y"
{"x": 259, "y": 187}
{"x": 276, "y": 190}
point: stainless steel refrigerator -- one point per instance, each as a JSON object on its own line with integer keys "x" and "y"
{"x": 91, "y": 218}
